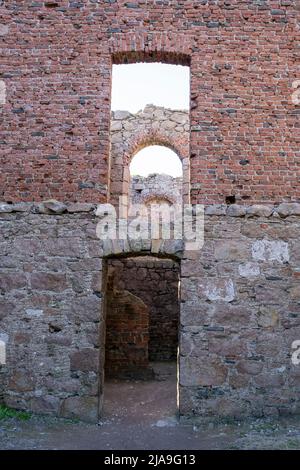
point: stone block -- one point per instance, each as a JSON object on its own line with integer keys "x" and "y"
{"x": 267, "y": 317}
{"x": 231, "y": 315}
{"x": 194, "y": 313}
{"x": 287, "y": 209}
{"x": 85, "y": 309}
{"x": 5, "y": 208}
{"x": 82, "y": 408}
{"x": 232, "y": 347}
{"x": 48, "y": 281}
{"x": 22, "y": 207}
{"x": 46, "y": 404}
{"x": 250, "y": 367}
{"x": 232, "y": 250}
{"x": 71, "y": 247}
{"x": 85, "y": 360}
{"x": 21, "y": 381}
{"x": 215, "y": 209}
{"x": 270, "y": 250}
{"x": 294, "y": 292}
{"x": 6, "y": 307}
{"x": 235, "y": 210}
{"x": 260, "y": 210}
{"x": 4, "y": 28}
{"x": 204, "y": 371}
{"x": 80, "y": 207}
{"x": 120, "y": 115}
{"x": 10, "y": 281}
{"x": 219, "y": 290}
{"x": 249, "y": 270}
{"x": 53, "y": 206}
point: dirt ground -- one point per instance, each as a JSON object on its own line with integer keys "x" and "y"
{"x": 142, "y": 415}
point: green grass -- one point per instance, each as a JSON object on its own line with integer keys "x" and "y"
{"x": 293, "y": 444}
{"x": 6, "y": 412}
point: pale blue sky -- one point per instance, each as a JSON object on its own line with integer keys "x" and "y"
{"x": 134, "y": 86}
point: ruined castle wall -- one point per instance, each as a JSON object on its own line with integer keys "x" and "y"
{"x": 239, "y": 311}
{"x": 56, "y": 69}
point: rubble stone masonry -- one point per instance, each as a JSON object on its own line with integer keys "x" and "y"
{"x": 239, "y": 310}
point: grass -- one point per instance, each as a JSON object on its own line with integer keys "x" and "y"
{"x": 6, "y": 412}
{"x": 293, "y": 444}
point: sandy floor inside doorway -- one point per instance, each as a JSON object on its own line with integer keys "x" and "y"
{"x": 143, "y": 401}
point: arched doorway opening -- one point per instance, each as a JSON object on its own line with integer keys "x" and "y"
{"x": 155, "y": 176}
{"x": 156, "y": 159}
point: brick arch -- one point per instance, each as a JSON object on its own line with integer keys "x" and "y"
{"x": 151, "y": 46}
{"x": 159, "y": 197}
{"x": 145, "y": 139}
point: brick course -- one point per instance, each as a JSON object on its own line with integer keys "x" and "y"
{"x": 56, "y": 65}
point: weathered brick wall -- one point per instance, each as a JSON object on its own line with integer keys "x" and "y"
{"x": 155, "y": 282}
{"x": 239, "y": 310}
{"x": 127, "y": 333}
{"x": 56, "y": 65}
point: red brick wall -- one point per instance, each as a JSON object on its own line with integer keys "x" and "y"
{"x": 155, "y": 282}
{"x": 56, "y": 64}
{"x": 127, "y": 335}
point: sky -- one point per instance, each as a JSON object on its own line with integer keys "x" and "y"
{"x": 156, "y": 159}
{"x": 134, "y": 86}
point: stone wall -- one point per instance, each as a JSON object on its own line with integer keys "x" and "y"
{"x": 50, "y": 309}
{"x": 239, "y": 310}
{"x": 155, "y": 187}
{"x": 155, "y": 282}
{"x": 243, "y": 59}
{"x": 153, "y": 125}
{"x": 240, "y": 313}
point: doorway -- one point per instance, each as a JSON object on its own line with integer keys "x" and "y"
{"x": 149, "y": 166}
{"x": 141, "y": 347}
